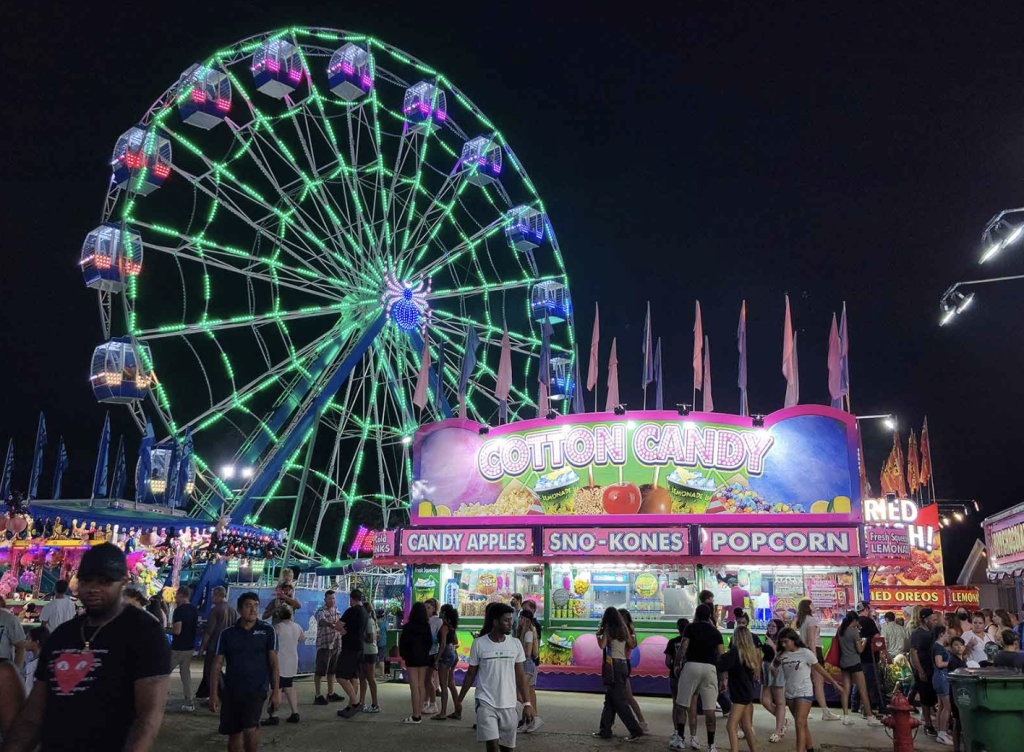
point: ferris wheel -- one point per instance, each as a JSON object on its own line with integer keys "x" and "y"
{"x": 285, "y": 229}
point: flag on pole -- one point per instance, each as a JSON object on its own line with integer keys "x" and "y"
{"x": 544, "y": 368}
{"x": 709, "y": 402}
{"x": 844, "y": 354}
{"x": 741, "y": 338}
{"x": 5, "y": 484}
{"x": 504, "y": 383}
{"x": 420, "y": 395}
{"x": 99, "y": 476}
{"x": 468, "y": 366}
{"x": 698, "y": 345}
{"x": 888, "y": 477}
{"x": 789, "y": 366}
{"x": 577, "y": 391}
{"x": 925, "y": 473}
{"x": 648, "y": 375}
{"x": 913, "y": 463}
{"x": 58, "y": 471}
{"x": 613, "y": 380}
{"x": 897, "y": 466}
{"x": 659, "y": 399}
{"x": 595, "y": 339}
{"x": 144, "y": 466}
{"x": 182, "y": 469}
{"x": 835, "y": 365}
{"x": 120, "y": 471}
{"x": 37, "y": 458}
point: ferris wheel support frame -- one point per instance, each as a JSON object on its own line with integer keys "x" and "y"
{"x": 293, "y": 442}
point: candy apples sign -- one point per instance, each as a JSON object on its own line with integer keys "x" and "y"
{"x": 647, "y": 467}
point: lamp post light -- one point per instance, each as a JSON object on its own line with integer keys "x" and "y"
{"x": 888, "y": 419}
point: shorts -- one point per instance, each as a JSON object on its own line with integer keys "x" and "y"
{"x": 449, "y": 657}
{"x": 940, "y": 682}
{"x": 326, "y": 660}
{"x": 370, "y": 658}
{"x": 240, "y": 711}
{"x": 285, "y": 682}
{"x": 698, "y": 679}
{"x": 530, "y": 672}
{"x": 926, "y": 692}
{"x": 803, "y": 698}
{"x": 496, "y": 723}
{"x": 767, "y": 680}
{"x": 348, "y": 664}
{"x": 854, "y": 669}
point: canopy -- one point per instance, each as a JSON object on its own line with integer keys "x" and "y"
{"x": 126, "y": 517}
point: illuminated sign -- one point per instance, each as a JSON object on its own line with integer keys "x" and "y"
{"x": 900, "y": 513}
{"x": 612, "y": 541}
{"x": 363, "y": 542}
{"x": 1005, "y": 540}
{"x": 651, "y": 468}
{"x": 887, "y": 542}
{"x": 760, "y": 542}
{"x": 384, "y": 545}
{"x": 467, "y": 542}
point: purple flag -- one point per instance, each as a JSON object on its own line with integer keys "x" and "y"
{"x": 741, "y": 381}
{"x": 595, "y": 340}
{"x": 844, "y": 354}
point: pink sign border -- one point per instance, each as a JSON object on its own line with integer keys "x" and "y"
{"x": 604, "y": 552}
{"x": 600, "y": 520}
{"x": 1015, "y": 518}
{"x": 528, "y": 531}
{"x": 705, "y": 531}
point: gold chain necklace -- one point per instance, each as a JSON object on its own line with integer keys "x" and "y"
{"x": 96, "y": 633}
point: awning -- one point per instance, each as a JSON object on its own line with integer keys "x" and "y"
{"x": 104, "y": 515}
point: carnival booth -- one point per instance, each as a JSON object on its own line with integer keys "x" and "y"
{"x": 1004, "y": 542}
{"x": 639, "y": 511}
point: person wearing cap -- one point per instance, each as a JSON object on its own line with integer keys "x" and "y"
{"x": 102, "y": 678}
{"x": 921, "y": 661}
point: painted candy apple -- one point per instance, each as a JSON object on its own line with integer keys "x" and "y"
{"x": 586, "y": 652}
{"x": 622, "y": 498}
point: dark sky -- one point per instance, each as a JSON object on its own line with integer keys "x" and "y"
{"x": 715, "y": 154}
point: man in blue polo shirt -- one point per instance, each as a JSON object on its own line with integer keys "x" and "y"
{"x": 250, "y": 648}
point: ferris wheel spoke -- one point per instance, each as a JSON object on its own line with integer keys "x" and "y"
{"x": 237, "y": 322}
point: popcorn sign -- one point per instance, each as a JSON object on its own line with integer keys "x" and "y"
{"x": 765, "y": 542}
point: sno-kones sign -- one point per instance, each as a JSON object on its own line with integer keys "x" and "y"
{"x": 655, "y": 466}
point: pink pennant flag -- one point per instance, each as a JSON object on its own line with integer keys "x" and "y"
{"x": 709, "y": 402}
{"x": 595, "y": 339}
{"x": 698, "y": 346}
{"x": 613, "y": 380}
{"x": 788, "y": 366}
{"x": 419, "y": 397}
{"x": 542, "y": 400}
{"x": 793, "y": 389}
{"x": 504, "y": 383}
{"x": 835, "y": 367}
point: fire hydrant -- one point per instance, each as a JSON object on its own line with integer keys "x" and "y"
{"x": 901, "y": 723}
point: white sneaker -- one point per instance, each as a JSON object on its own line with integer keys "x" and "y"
{"x": 712, "y": 748}
{"x": 644, "y": 728}
{"x": 943, "y": 739}
{"x": 676, "y": 742}
{"x": 694, "y": 744}
{"x": 828, "y": 715}
{"x": 188, "y": 707}
{"x": 534, "y": 725}
{"x": 847, "y": 719}
{"x": 874, "y": 721}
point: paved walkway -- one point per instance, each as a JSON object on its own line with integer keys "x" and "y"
{"x": 569, "y": 719}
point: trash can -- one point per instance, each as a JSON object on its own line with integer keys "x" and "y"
{"x": 991, "y": 705}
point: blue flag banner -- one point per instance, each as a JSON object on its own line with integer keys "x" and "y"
{"x": 99, "y": 476}
{"x": 577, "y": 392}
{"x": 144, "y": 465}
{"x": 468, "y": 360}
{"x": 120, "y": 473}
{"x": 58, "y": 471}
{"x": 37, "y": 458}
{"x": 5, "y": 484}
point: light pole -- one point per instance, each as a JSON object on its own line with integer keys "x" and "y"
{"x": 887, "y": 418}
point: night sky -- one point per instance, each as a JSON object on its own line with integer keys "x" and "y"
{"x": 717, "y": 155}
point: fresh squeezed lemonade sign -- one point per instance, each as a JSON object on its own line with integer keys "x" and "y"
{"x": 803, "y": 461}
{"x": 924, "y": 568}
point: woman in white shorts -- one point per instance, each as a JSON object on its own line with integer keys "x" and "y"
{"x": 797, "y": 663}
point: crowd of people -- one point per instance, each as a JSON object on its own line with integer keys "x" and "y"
{"x": 104, "y": 673}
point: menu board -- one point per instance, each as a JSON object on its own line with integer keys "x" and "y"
{"x": 822, "y": 592}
